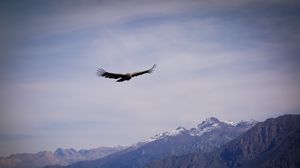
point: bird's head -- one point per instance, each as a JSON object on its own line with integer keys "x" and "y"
{"x": 129, "y": 75}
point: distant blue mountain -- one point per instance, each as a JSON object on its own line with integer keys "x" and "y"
{"x": 208, "y": 136}
{"x": 59, "y": 157}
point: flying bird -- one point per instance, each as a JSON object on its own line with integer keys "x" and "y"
{"x": 123, "y": 76}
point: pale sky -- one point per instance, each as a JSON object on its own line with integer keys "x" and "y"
{"x": 228, "y": 59}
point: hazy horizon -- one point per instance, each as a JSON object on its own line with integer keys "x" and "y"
{"x": 130, "y": 144}
{"x": 231, "y": 60}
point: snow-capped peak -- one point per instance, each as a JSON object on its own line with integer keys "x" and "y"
{"x": 175, "y": 132}
{"x": 209, "y": 122}
{"x": 205, "y": 126}
{"x": 230, "y": 122}
{"x": 246, "y": 124}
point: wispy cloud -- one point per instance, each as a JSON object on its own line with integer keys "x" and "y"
{"x": 233, "y": 60}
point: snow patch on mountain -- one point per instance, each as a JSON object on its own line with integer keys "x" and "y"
{"x": 176, "y": 132}
{"x": 171, "y": 133}
{"x": 230, "y": 122}
{"x": 200, "y": 131}
{"x": 206, "y": 126}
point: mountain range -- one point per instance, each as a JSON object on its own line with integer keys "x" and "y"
{"x": 208, "y": 136}
{"x": 212, "y": 144}
{"x": 59, "y": 157}
{"x": 274, "y": 143}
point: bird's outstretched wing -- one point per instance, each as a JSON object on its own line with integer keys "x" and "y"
{"x": 102, "y": 72}
{"x": 143, "y": 72}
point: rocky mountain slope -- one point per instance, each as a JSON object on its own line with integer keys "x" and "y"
{"x": 206, "y": 137}
{"x": 274, "y": 143}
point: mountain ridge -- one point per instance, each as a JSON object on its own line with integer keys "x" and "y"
{"x": 59, "y": 156}
{"x": 176, "y": 139}
{"x": 207, "y": 136}
{"x": 272, "y": 143}
{"x": 205, "y": 126}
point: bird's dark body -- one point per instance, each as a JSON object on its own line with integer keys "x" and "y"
{"x": 123, "y": 77}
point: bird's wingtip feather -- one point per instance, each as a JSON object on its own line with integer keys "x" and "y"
{"x": 100, "y": 71}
